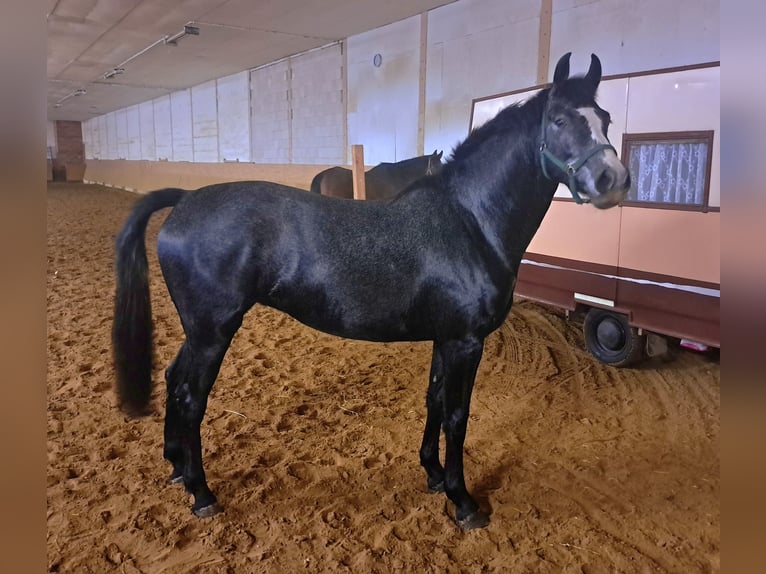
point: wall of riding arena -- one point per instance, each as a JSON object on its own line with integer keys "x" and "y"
{"x": 143, "y": 176}
{"x": 310, "y": 108}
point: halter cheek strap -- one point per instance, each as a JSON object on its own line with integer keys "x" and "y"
{"x": 571, "y": 168}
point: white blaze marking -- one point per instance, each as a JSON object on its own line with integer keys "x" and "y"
{"x": 597, "y": 135}
{"x": 595, "y": 123}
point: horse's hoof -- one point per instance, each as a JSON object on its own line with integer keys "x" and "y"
{"x": 207, "y": 511}
{"x": 176, "y": 479}
{"x": 478, "y": 519}
{"x": 438, "y": 487}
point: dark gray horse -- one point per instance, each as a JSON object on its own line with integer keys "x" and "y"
{"x": 438, "y": 262}
{"x": 381, "y": 182}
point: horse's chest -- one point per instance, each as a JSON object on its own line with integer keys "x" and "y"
{"x": 471, "y": 301}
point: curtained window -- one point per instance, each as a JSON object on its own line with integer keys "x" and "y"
{"x": 669, "y": 169}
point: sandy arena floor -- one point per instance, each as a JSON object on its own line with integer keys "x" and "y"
{"x": 311, "y": 444}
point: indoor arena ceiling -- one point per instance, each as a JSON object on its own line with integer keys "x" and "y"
{"x": 91, "y": 40}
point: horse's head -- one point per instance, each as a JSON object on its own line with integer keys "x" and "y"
{"x": 434, "y": 164}
{"x": 574, "y": 148}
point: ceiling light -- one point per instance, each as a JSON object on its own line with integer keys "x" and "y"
{"x": 188, "y": 30}
{"x": 113, "y": 72}
{"x": 77, "y": 92}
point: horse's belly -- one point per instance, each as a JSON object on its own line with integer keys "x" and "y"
{"x": 370, "y": 319}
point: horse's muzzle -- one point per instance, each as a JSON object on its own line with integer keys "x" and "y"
{"x": 612, "y": 187}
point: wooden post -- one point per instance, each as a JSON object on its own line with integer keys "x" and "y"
{"x": 357, "y": 170}
{"x": 544, "y": 41}
{"x": 422, "y": 79}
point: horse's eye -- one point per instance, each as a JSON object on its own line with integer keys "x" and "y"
{"x": 560, "y": 121}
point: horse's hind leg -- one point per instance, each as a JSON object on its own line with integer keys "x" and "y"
{"x": 190, "y": 380}
{"x": 173, "y": 448}
{"x": 429, "y": 449}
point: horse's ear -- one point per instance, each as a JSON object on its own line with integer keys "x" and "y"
{"x": 439, "y": 155}
{"x": 594, "y": 72}
{"x": 562, "y": 69}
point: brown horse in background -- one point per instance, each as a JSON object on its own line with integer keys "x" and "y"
{"x": 381, "y": 182}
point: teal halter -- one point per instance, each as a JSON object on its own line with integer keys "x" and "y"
{"x": 570, "y": 169}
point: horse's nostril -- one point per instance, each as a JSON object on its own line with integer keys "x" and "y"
{"x": 606, "y": 181}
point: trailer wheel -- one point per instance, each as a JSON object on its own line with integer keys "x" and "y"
{"x": 610, "y": 338}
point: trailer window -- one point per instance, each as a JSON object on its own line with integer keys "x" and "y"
{"x": 669, "y": 170}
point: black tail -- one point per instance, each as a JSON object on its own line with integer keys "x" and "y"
{"x": 132, "y": 329}
{"x": 316, "y": 183}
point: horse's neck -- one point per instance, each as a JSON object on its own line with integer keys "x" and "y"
{"x": 501, "y": 185}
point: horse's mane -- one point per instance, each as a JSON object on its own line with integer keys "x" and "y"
{"x": 514, "y": 118}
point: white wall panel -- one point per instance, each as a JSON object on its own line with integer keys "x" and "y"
{"x": 111, "y": 134}
{"x": 163, "y": 128}
{"x": 134, "y": 133}
{"x": 633, "y": 36}
{"x": 383, "y": 101}
{"x": 98, "y": 136}
{"x": 146, "y": 119}
{"x": 103, "y": 132}
{"x": 205, "y": 122}
{"x": 87, "y": 137}
{"x": 316, "y": 90}
{"x": 95, "y": 136}
{"x": 233, "y": 93}
{"x": 181, "y": 123}
{"x": 123, "y": 140}
{"x": 475, "y": 48}
{"x": 270, "y": 113}
{"x": 91, "y": 147}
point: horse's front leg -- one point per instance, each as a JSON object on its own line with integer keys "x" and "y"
{"x": 429, "y": 449}
{"x": 460, "y": 362}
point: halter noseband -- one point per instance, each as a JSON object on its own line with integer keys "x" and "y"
{"x": 429, "y": 169}
{"x": 571, "y": 168}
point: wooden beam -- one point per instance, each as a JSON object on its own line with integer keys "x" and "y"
{"x": 544, "y": 41}
{"x": 344, "y": 96}
{"x": 422, "y": 83}
{"x": 357, "y": 171}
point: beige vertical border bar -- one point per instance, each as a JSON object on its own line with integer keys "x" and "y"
{"x": 289, "y": 95}
{"x": 422, "y": 78}
{"x": 544, "y": 41}
{"x": 357, "y": 171}
{"x": 344, "y": 95}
